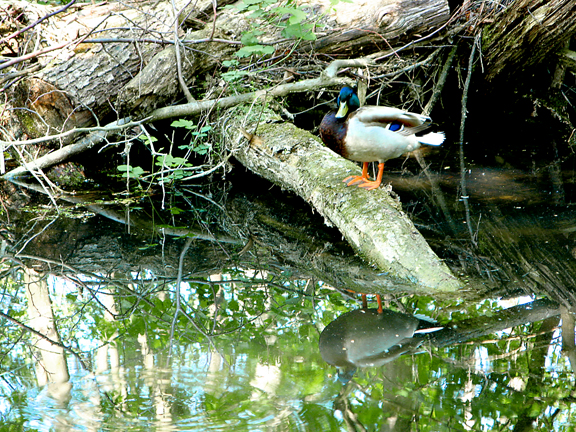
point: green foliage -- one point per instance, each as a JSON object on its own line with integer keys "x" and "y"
{"x": 197, "y": 144}
{"x": 148, "y": 139}
{"x": 232, "y": 74}
{"x": 168, "y": 167}
{"x": 265, "y": 332}
{"x": 289, "y": 18}
{"x": 130, "y": 172}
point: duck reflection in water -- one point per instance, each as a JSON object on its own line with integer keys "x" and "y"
{"x": 370, "y": 337}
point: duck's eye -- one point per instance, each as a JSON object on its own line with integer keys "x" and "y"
{"x": 395, "y": 126}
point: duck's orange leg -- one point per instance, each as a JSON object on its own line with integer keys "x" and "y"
{"x": 365, "y": 300}
{"x": 378, "y": 299}
{"x": 355, "y": 179}
{"x": 369, "y": 185}
{"x": 362, "y": 181}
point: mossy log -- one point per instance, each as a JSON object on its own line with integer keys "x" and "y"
{"x": 372, "y": 221}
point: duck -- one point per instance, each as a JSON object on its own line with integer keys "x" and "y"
{"x": 373, "y": 134}
{"x": 370, "y": 338}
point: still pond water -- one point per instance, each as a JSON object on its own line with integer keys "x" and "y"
{"x": 223, "y": 333}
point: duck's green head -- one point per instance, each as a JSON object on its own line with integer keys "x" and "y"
{"x": 347, "y": 102}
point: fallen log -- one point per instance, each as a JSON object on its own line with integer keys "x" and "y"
{"x": 524, "y": 34}
{"x": 371, "y": 221}
{"x": 360, "y": 27}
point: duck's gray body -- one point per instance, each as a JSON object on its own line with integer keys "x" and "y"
{"x": 365, "y": 337}
{"x": 369, "y": 136}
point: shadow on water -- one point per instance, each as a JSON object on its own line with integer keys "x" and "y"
{"x": 224, "y": 307}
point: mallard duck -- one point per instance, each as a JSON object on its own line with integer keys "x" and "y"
{"x": 371, "y": 337}
{"x": 373, "y": 133}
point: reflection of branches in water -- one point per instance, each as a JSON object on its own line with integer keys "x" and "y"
{"x": 134, "y": 290}
{"x": 464, "y": 195}
{"x": 179, "y": 308}
{"x": 43, "y": 336}
{"x": 74, "y": 272}
{"x": 342, "y": 403}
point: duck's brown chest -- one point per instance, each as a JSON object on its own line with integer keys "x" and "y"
{"x": 333, "y": 133}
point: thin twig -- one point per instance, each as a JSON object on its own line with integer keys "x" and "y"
{"x": 160, "y": 41}
{"x": 464, "y": 195}
{"x": 34, "y": 24}
{"x": 426, "y": 61}
{"x": 183, "y": 85}
{"x": 96, "y": 137}
{"x": 441, "y": 81}
{"x": 114, "y": 126}
{"x": 436, "y": 190}
{"x": 214, "y": 16}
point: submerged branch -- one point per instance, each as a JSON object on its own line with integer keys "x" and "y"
{"x": 464, "y": 113}
{"x": 98, "y": 135}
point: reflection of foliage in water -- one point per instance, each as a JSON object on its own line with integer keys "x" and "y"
{"x": 245, "y": 355}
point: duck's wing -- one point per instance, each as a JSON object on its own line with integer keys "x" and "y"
{"x": 410, "y": 123}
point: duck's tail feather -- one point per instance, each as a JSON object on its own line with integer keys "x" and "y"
{"x": 426, "y": 325}
{"x": 432, "y": 138}
{"x": 427, "y": 330}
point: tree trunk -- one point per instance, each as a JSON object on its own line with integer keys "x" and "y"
{"x": 526, "y": 33}
{"x": 361, "y": 27}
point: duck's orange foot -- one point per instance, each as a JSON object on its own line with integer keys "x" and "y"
{"x": 361, "y": 182}
{"x": 369, "y": 185}
{"x": 353, "y": 180}
{"x": 378, "y": 299}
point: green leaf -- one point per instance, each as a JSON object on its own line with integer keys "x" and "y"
{"x": 297, "y": 15}
{"x": 147, "y": 139}
{"x": 188, "y": 124}
{"x": 249, "y": 39}
{"x": 257, "y": 12}
{"x": 202, "y": 149}
{"x": 137, "y": 172}
{"x": 299, "y": 31}
{"x": 130, "y": 171}
{"x": 171, "y": 161}
{"x": 148, "y": 246}
{"x": 230, "y": 63}
{"x": 247, "y": 51}
{"x": 234, "y": 75}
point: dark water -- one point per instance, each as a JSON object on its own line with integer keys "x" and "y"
{"x": 228, "y": 337}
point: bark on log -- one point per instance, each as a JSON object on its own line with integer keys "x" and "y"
{"x": 371, "y": 221}
{"x": 156, "y": 85}
{"x": 78, "y": 85}
{"x": 525, "y": 33}
{"x": 364, "y": 26}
